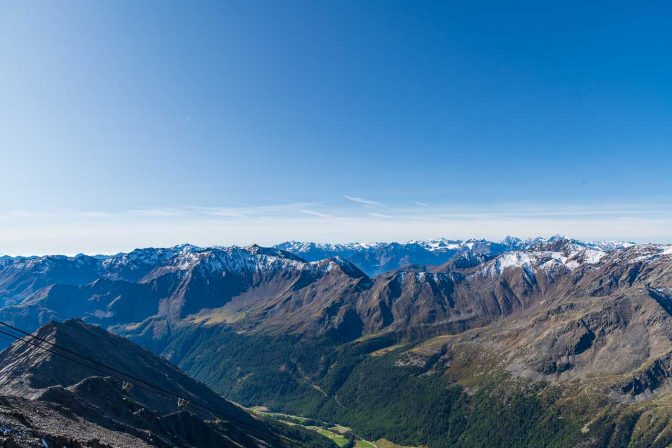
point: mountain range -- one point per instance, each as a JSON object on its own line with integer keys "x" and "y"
{"x": 432, "y": 343}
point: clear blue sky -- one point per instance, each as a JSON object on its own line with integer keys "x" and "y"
{"x": 206, "y": 119}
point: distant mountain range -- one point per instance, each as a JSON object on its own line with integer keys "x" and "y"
{"x": 572, "y": 339}
{"x": 377, "y": 258}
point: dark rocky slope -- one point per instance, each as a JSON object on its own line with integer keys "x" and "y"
{"x": 81, "y": 404}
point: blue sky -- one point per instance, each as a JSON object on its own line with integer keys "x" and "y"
{"x": 129, "y": 123}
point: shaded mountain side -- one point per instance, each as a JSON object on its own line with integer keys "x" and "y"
{"x": 94, "y": 399}
{"x": 23, "y": 276}
{"x": 185, "y": 285}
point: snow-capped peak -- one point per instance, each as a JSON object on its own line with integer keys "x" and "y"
{"x": 569, "y": 256}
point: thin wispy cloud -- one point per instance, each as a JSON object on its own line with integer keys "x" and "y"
{"x": 156, "y": 212}
{"x": 224, "y": 212}
{"x": 314, "y": 213}
{"x": 362, "y": 201}
{"x": 50, "y": 214}
{"x": 421, "y": 211}
{"x": 95, "y": 214}
{"x": 24, "y": 214}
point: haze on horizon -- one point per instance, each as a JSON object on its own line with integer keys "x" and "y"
{"x": 134, "y": 124}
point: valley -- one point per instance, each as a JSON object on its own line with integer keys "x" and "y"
{"x": 340, "y": 435}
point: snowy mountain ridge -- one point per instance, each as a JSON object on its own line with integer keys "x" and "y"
{"x": 372, "y": 258}
{"x": 447, "y": 244}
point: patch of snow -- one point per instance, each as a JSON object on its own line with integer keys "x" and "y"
{"x": 592, "y": 256}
